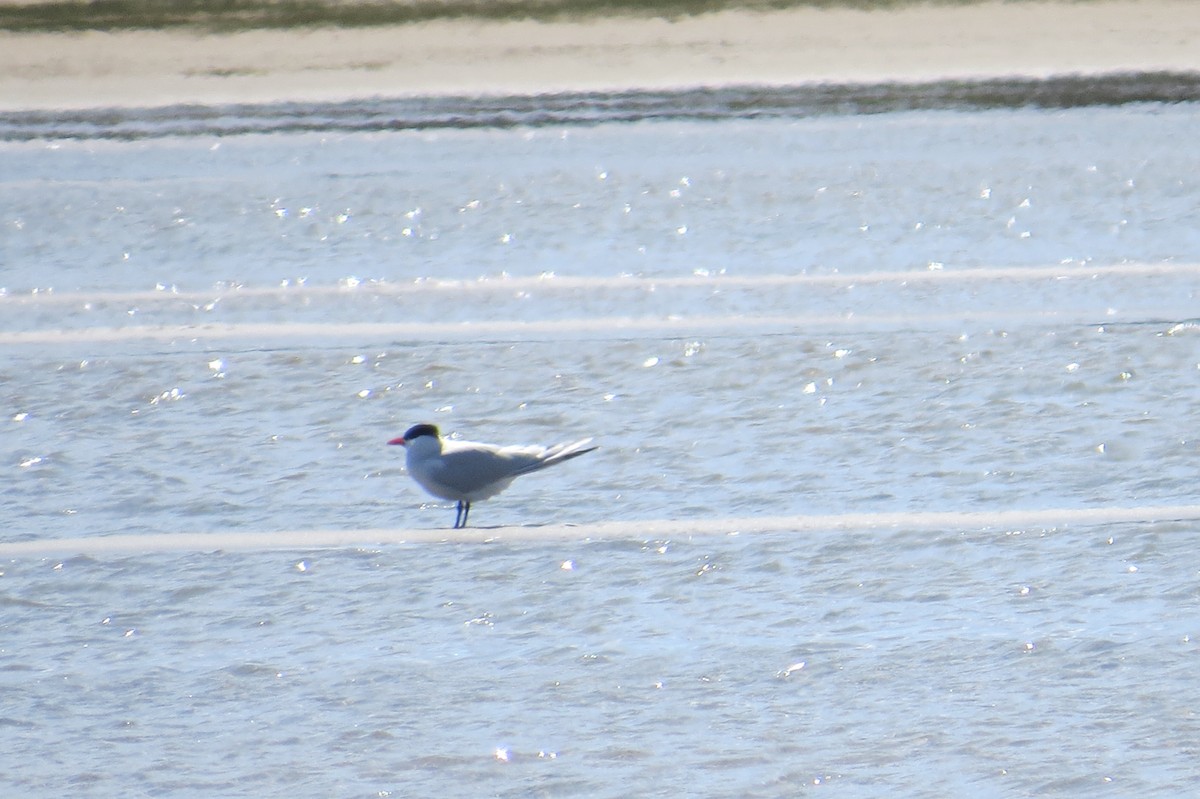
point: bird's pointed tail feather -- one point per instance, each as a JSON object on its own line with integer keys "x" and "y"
{"x": 561, "y": 452}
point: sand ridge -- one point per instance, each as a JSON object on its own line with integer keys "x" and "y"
{"x": 1033, "y": 521}
{"x": 40, "y": 71}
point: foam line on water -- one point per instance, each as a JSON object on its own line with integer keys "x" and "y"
{"x": 1033, "y": 519}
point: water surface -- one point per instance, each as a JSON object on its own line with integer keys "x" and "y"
{"x": 953, "y": 313}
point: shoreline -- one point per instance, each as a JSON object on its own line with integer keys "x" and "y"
{"x": 758, "y": 102}
{"x": 477, "y": 58}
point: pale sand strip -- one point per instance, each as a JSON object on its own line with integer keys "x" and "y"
{"x": 360, "y": 333}
{"x": 150, "y": 68}
{"x": 632, "y": 283}
{"x": 1033, "y": 521}
{"x": 515, "y": 329}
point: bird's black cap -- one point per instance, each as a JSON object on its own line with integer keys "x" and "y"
{"x": 418, "y": 430}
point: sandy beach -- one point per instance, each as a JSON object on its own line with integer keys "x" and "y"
{"x": 40, "y": 71}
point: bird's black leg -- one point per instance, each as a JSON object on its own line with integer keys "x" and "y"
{"x": 458, "y": 516}
{"x": 466, "y": 510}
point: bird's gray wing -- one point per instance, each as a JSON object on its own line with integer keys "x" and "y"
{"x": 470, "y": 469}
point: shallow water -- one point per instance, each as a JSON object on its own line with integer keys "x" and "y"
{"x": 800, "y": 321}
{"x": 945, "y": 663}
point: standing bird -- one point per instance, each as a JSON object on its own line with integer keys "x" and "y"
{"x": 466, "y": 471}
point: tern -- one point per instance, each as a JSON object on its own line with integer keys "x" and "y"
{"x": 467, "y": 471}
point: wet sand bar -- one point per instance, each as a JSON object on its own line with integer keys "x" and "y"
{"x": 43, "y": 70}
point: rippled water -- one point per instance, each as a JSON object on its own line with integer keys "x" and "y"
{"x": 794, "y": 340}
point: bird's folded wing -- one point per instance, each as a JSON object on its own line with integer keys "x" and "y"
{"x": 469, "y": 470}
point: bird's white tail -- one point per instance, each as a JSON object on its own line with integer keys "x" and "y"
{"x": 559, "y": 453}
